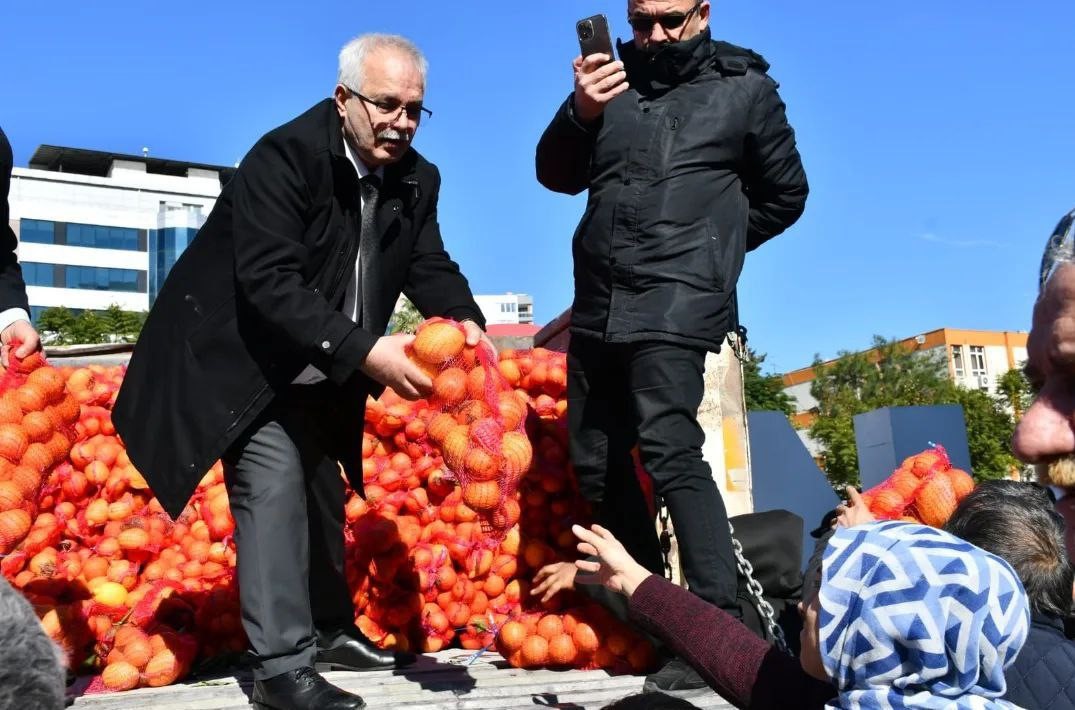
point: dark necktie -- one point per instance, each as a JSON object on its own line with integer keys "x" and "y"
{"x": 352, "y": 301}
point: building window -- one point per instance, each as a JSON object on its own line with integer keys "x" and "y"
{"x": 957, "y": 360}
{"x": 977, "y": 360}
{"x": 38, "y": 231}
{"x": 91, "y": 235}
{"x": 97, "y": 278}
{"x": 166, "y": 246}
{"x": 35, "y": 274}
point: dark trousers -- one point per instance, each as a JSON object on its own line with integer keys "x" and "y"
{"x": 287, "y": 498}
{"x": 648, "y": 393}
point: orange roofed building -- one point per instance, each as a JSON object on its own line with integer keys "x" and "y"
{"x": 975, "y": 359}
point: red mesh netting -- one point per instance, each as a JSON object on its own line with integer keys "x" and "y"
{"x": 925, "y": 489}
{"x": 37, "y": 418}
{"x": 474, "y": 420}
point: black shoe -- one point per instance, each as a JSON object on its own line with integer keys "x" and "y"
{"x": 677, "y": 674}
{"x": 350, "y": 650}
{"x": 302, "y": 689}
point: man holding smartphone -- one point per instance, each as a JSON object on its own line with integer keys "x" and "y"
{"x": 690, "y": 163}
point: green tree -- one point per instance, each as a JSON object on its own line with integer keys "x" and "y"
{"x": 89, "y": 328}
{"x": 55, "y": 325}
{"x": 406, "y": 318}
{"x": 989, "y": 434}
{"x": 764, "y": 392}
{"x": 892, "y": 375}
{"x": 60, "y": 326}
{"x": 1014, "y": 390}
{"x": 121, "y": 325}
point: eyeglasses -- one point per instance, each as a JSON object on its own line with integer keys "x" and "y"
{"x": 394, "y": 107}
{"x": 670, "y": 21}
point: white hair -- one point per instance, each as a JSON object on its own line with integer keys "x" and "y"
{"x": 354, "y": 53}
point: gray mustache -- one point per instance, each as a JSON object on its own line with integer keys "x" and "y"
{"x": 391, "y": 134}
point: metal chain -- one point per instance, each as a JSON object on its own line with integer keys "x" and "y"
{"x": 666, "y": 537}
{"x": 756, "y": 591}
{"x": 739, "y": 344}
{"x": 765, "y": 609}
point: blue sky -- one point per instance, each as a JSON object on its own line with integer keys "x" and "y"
{"x": 937, "y": 137}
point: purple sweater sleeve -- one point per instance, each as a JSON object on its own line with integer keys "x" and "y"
{"x": 745, "y": 670}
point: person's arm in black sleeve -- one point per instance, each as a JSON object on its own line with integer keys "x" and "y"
{"x": 564, "y": 151}
{"x": 12, "y": 287}
{"x": 773, "y": 171}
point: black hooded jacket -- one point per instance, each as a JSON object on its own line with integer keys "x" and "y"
{"x": 688, "y": 170}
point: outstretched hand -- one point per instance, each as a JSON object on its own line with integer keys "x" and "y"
{"x": 614, "y": 568}
{"x": 554, "y": 578}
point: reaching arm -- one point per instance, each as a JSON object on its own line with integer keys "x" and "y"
{"x": 745, "y": 670}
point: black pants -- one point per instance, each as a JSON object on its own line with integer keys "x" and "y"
{"x": 287, "y": 498}
{"x": 648, "y": 393}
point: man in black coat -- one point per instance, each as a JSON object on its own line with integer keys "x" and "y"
{"x": 690, "y": 163}
{"x": 14, "y": 307}
{"x": 266, "y": 339}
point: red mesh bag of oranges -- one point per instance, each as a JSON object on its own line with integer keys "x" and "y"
{"x": 924, "y": 489}
{"x": 476, "y": 421}
{"x": 37, "y": 418}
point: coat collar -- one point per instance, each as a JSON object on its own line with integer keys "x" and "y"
{"x": 1054, "y": 623}
{"x": 671, "y": 65}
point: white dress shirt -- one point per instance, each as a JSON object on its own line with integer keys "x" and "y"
{"x": 11, "y": 315}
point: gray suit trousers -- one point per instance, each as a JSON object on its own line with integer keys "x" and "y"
{"x": 287, "y": 498}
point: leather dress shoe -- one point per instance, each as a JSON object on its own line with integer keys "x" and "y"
{"x": 350, "y": 650}
{"x": 302, "y": 689}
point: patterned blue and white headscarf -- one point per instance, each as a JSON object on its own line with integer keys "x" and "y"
{"x": 912, "y": 617}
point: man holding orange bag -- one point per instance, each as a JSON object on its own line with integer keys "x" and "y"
{"x": 266, "y": 339}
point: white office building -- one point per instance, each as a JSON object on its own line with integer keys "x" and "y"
{"x": 98, "y": 228}
{"x": 506, "y": 308}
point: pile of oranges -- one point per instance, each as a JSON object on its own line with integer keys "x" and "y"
{"x": 467, "y": 495}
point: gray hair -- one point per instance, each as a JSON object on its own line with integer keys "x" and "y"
{"x": 354, "y": 53}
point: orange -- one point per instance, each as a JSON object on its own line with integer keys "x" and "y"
{"x": 438, "y": 342}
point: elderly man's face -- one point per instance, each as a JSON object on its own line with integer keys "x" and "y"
{"x": 659, "y": 22}
{"x": 381, "y": 136}
{"x": 1046, "y": 433}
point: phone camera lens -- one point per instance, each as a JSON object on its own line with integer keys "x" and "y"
{"x": 585, "y": 30}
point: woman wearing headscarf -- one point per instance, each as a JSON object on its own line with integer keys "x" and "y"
{"x": 905, "y": 616}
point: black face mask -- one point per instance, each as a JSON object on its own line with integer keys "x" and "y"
{"x": 666, "y": 64}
